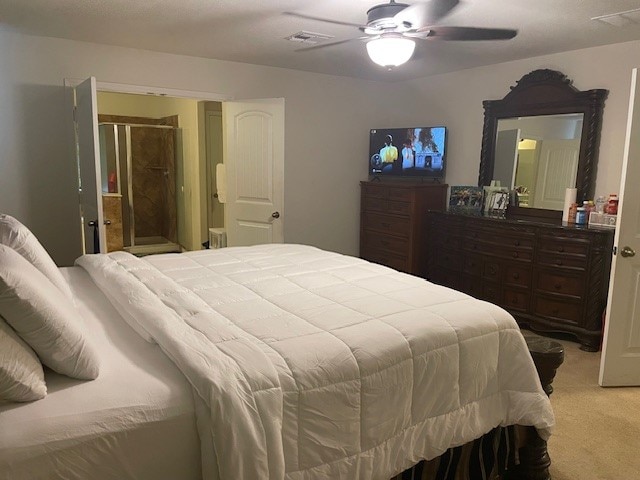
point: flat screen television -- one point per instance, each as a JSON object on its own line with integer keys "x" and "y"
{"x": 416, "y": 151}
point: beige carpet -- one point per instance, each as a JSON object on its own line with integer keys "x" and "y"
{"x": 597, "y": 434}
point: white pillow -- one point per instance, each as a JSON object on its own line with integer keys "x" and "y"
{"x": 44, "y": 318}
{"x": 15, "y": 235}
{"x": 21, "y": 375}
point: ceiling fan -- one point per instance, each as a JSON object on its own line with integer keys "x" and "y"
{"x": 392, "y": 28}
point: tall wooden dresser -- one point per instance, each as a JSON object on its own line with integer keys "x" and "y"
{"x": 550, "y": 277}
{"x": 393, "y": 220}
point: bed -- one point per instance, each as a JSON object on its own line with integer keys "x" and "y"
{"x": 273, "y": 361}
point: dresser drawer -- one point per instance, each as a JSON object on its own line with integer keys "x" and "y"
{"x": 387, "y": 224}
{"x": 516, "y": 299}
{"x": 491, "y": 292}
{"x": 379, "y": 204}
{"x": 563, "y": 261}
{"x": 447, "y": 278}
{"x": 446, "y": 225}
{"x": 472, "y": 265}
{"x": 562, "y": 245}
{"x": 450, "y": 259}
{"x": 369, "y": 202}
{"x": 369, "y": 190}
{"x": 558, "y": 308}
{"x": 399, "y": 194}
{"x": 491, "y": 270}
{"x": 508, "y": 241}
{"x": 446, "y": 240}
{"x": 401, "y": 208}
{"x": 516, "y": 275}
{"x": 398, "y": 262}
{"x": 564, "y": 284}
{"x": 379, "y": 241}
{"x": 472, "y": 286}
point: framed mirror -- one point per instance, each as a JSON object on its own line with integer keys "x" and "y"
{"x": 541, "y": 139}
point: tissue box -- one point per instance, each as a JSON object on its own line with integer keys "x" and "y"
{"x": 602, "y": 220}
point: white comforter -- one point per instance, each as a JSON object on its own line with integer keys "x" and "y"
{"x": 318, "y": 365}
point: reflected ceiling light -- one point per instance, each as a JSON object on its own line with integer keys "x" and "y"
{"x": 390, "y": 51}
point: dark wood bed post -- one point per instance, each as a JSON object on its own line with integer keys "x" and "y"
{"x": 547, "y": 355}
{"x": 534, "y": 459}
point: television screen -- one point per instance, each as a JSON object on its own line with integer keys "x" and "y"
{"x": 418, "y": 151}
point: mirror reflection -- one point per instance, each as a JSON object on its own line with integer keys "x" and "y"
{"x": 538, "y": 157}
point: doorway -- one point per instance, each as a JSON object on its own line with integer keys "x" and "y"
{"x": 259, "y": 158}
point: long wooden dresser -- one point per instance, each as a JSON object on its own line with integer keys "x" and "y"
{"x": 550, "y": 277}
{"x": 392, "y": 222}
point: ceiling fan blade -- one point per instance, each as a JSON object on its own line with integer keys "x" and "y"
{"x": 325, "y": 20}
{"x": 425, "y": 13}
{"x": 331, "y": 44}
{"x": 468, "y": 33}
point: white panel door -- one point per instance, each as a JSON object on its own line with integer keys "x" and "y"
{"x": 254, "y": 159}
{"x": 620, "y": 364}
{"x": 88, "y": 151}
{"x": 506, "y": 157}
{"x": 557, "y": 168}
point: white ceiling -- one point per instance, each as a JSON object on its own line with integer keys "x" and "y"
{"x": 253, "y": 31}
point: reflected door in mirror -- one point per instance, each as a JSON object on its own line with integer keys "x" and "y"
{"x": 538, "y": 157}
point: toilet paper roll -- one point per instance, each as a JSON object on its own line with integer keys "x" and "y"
{"x": 569, "y": 199}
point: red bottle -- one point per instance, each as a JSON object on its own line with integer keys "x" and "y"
{"x": 612, "y": 206}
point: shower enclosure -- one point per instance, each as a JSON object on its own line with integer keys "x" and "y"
{"x": 140, "y": 167}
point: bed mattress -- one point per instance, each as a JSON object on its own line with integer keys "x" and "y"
{"x": 135, "y": 421}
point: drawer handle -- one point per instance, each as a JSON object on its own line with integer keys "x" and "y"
{"x": 517, "y": 243}
{"x": 559, "y": 263}
{"x": 385, "y": 225}
{"x": 516, "y": 276}
{"x": 515, "y": 254}
{"x": 475, "y": 247}
{"x": 515, "y": 300}
{"x": 492, "y": 270}
{"x": 558, "y": 286}
{"x": 561, "y": 249}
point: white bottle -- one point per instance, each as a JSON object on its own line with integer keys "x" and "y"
{"x": 600, "y": 204}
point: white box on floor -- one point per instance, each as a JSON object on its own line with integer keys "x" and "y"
{"x": 217, "y": 238}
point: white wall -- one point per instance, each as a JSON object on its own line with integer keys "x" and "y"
{"x": 455, "y": 100}
{"x": 327, "y": 120}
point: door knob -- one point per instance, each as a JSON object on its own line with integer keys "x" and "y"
{"x": 107, "y": 222}
{"x": 627, "y": 252}
{"x": 275, "y": 214}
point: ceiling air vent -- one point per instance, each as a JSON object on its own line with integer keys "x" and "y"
{"x": 308, "y": 37}
{"x": 620, "y": 19}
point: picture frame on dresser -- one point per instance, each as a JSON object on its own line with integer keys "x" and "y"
{"x": 466, "y": 198}
{"x": 498, "y": 201}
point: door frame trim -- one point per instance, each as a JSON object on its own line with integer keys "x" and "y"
{"x": 154, "y": 91}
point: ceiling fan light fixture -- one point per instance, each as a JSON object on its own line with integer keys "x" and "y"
{"x": 390, "y": 51}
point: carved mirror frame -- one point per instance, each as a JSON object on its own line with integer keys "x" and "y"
{"x": 546, "y": 92}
